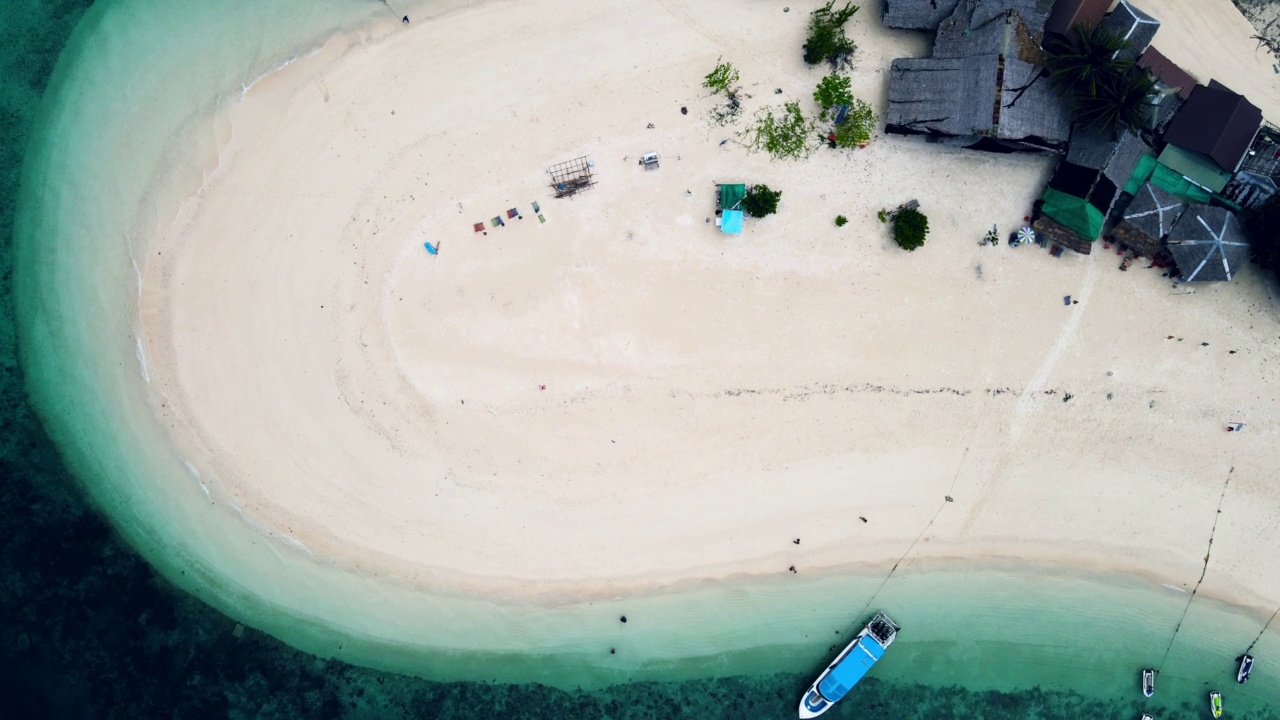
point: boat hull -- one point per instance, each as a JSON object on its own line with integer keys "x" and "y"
{"x": 1246, "y": 667}
{"x": 848, "y": 671}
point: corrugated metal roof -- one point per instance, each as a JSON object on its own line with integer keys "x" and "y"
{"x": 1167, "y": 71}
{"x": 1069, "y": 13}
{"x": 1217, "y": 122}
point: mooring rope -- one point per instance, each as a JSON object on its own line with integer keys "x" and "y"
{"x": 1203, "y": 571}
{"x": 946, "y": 499}
{"x": 1262, "y": 631}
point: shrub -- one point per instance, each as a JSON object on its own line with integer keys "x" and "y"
{"x": 833, "y": 91}
{"x": 785, "y": 135}
{"x": 841, "y": 220}
{"x": 722, "y": 79}
{"x": 761, "y": 201}
{"x": 883, "y": 215}
{"x": 910, "y": 227}
{"x": 827, "y": 40}
{"x": 858, "y": 125}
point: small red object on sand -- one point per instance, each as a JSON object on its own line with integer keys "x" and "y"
{"x": 542, "y": 387}
{"x": 479, "y": 227}
{"x": 1106, "y": 245}
{"x": 1026, "y": 218}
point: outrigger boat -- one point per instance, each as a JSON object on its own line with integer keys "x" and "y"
{"x": 1215, "y": 703}
{"x": 1148, "y": 682}
{"x": 1246, "y": 667}
{"x": 849, "y": 666}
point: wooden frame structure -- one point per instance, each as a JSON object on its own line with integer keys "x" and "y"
{"x": 571, "y": 176}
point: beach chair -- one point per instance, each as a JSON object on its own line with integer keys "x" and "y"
{"x": 497, "y": 221}
{"x": 536, "y": 209}
{"x": 512, "y": 213}
{"x": 432, "y": 249}
{"x": 479, "y": 227}
{"x": 541, "y": 219}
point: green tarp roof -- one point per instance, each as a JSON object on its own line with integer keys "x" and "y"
{"x": 1195, "y": 167}
{"x": 1075, "y": 213}
{"x": 1169, "y": 180}
{"x": 731, "y": 196}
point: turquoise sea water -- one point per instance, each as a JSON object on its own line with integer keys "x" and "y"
{"x": 142, "y": 83}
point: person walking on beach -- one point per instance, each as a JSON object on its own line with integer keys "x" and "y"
{"x": 405, "y": 19}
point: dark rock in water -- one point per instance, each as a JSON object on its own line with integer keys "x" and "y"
{"x": 623, "y": 618}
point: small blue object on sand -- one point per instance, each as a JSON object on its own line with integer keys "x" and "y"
{"x": 431, "y": 248}
{"x": 1066, "y": 299}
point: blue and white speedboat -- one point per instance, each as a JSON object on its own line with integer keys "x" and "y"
{"x": 849, "y": 666}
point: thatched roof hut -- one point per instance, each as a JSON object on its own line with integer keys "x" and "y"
{"x": 1135, "y": 26}
{"x": 1148, "y": 219}
{"x": 963, "y": 97}
{"x": 1208, "y": 244}
{"x": 1056, "y": 233}
{"x": 916, "y": 14}
{"x": 942, "y": 96}
{"x": 1113, "y": 162}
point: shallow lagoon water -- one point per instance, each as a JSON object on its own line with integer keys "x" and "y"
{"x": 144, "y": 85}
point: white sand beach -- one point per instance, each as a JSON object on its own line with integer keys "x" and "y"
{"x": 708, "y": 399}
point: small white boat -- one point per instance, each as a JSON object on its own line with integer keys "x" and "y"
{"x": 1148, "y": 682}
{"x": 849, "y": 666}
{"x": 1146, "y": 716}
{"x": 1215, "y": 703}
{"x": 1246, "y": 667}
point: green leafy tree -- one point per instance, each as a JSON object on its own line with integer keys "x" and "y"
{"x": 827, "y": 40}
{"x": 783, "y": 134}
{"x": 841, "y": 221}
{"x": 761, "y": 201}
{"x": 833, "y": 91}
{"x": 1260, "y": 225}
{"x": 858, "y": 125}
{"x": 910, "y": 226}
{"x": 722, "y": 79}
{"x": 1079, "y": 61}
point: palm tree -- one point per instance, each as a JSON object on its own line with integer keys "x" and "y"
{"x": 1121, "y": 101}
{"x": 1081, "y": 60}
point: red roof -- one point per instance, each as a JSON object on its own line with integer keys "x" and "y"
{"x": 1070, "y": 13}
{"x": 1167, "y": 72}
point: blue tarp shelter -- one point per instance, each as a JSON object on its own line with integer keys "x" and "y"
{"x": 731, "y": 222}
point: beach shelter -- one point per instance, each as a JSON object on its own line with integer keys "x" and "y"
{"x": 1073, "y": 213}
{"x": 1207, "y": 243}
{"x": 1195, "y": 167}
{"x": 1151, "y": 170}
{"x": 731, "y": 222}
{"x": 1148, "y": 219}
{"x": 731, "y": 196}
